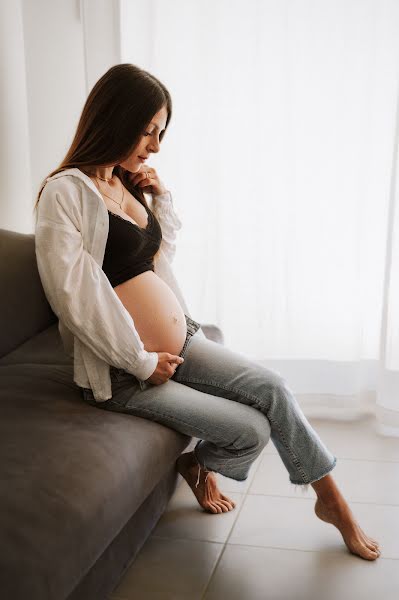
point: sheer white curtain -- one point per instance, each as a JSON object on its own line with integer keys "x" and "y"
{"x": 282, "y": 159}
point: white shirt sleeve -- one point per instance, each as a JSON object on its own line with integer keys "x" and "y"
{"x": 169, "y": 222}
{"x": 77, "y": 288}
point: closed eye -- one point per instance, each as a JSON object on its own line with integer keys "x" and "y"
{"x": 151, "y": 132}
{"x": 146, "y": 134}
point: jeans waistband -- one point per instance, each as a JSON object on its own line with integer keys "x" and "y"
{"x": 192, "y": 326}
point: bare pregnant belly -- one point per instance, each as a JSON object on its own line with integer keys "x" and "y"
{"x": 156, "y": 312}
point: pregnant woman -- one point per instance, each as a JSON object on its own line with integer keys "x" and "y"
{"x": 104, "y": 258}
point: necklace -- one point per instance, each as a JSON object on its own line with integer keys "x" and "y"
{"x": 113, "y": 200}
{"x": 104, "y": 178}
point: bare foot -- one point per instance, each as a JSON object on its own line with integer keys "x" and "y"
{"x": 207, "y": 492}
{"x": 340, "y": 515}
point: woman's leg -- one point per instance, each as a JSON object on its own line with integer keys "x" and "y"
{"x": 214, "y": 369}
{"x": 238, "y": 431}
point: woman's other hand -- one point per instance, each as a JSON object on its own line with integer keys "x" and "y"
{"x": 148, "y": 180}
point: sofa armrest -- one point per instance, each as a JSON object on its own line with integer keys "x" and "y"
{"x": 213, "y": 332}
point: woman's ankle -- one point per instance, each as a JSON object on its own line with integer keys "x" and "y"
{"x": 327, "y": 491}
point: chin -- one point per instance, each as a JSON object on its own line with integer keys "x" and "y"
{"x": 131, "y": 168}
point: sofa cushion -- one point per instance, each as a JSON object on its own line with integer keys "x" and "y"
{"x": 72, "y": 475}
{"x": 45, "y": 348}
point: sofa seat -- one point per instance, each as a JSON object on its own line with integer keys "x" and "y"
{"x": 73, "y": 475}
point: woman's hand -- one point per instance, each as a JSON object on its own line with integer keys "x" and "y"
{"x": 151, "y": 184}
{"x": 165, "y": 368}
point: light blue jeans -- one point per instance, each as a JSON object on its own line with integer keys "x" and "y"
{"x": 233, "y": 404}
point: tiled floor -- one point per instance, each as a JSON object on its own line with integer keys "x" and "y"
{"x": 272, "y": 545}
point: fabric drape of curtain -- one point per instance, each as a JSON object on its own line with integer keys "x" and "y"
{"x": 282, "y": 157}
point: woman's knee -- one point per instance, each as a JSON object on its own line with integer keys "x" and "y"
{"x": 263, "y": 433}
{"x": 255, "y": 433}
{"x": 278, "y": 386}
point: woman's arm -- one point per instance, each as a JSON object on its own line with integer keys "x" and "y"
{"x": 77, "y": 288}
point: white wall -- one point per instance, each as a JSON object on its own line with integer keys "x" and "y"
{"x": 138, "y": 41}
{"x": 102, "y": 37}
{"x": 55, "y": 79}
{"x": 15, "y": 174}
{"x": 52, "y": 52}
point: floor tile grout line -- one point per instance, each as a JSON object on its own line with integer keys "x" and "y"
{"x": 318, "y": 551}
{"x": 244, "y": 495}
{"x": 224, "y": 546}
{"x": 186, "y": 539}
{"x": 234, "y": 544}
{"x": 205, "y": 590}
{"x": 297, "y": 497}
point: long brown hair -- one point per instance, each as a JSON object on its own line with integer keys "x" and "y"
{"x": 116, "y": 113}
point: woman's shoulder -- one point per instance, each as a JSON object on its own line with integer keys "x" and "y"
{"x": 71, "y": 182}
{"x": 61, "y": 195}
{"x": 65, "y": 178}
{"x": 64, "y": 186}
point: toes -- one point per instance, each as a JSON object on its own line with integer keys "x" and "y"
{"x": 370, "y": 553}
{"x": 371, "y": 546}
{"x": 370, "y": 543}
{"x": 365, "y": 553}
{"x": 226, "y": 499}
{"x": 226, "y": 504}
{"x": 214, "y": 507}
{"x": 375, "y": 545}
{"x": 368, "y": 538}
{"x": 217, "y": 506}
{"x": 367, "y": 542}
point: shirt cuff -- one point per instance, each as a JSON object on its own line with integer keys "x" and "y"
{"x": 163, "y": 198}
{"x": 147, "y": 367}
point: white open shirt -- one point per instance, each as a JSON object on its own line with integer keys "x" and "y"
{"x": 70, "y": 238}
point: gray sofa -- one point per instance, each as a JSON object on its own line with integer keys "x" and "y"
{"x": 80, "y": 489}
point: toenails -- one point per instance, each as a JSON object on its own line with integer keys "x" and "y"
{"x": 211, "y": 507}
{"x": 230, "y": 502}
{"x": 227, "y": 505}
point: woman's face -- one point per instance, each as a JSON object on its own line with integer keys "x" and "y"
{"x": 150, "y": 142}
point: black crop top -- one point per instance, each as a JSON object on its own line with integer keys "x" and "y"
{"x": 130, "y": 249}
